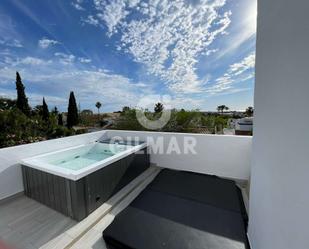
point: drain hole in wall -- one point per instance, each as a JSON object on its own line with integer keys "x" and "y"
{"x": 77, "y": 157}
{"x": 97, "y": 198}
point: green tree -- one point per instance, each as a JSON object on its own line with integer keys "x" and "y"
{"x": 98, "y": 105}
{"x": 7, "y": 104}
{"x": 249, "y": 111}
{"x": 128, "y": 121}
{"x": 72, "y": 118}
{"x": 222, "y": 108}
{"x": 37, "y": 110}
{"x": 158, "y": 107}
{"x": 45, "y": 112}
{"x": 125, "y": 109}
{"x": 22, "y": 100}
{"x": 86, "y": 112}
{"x": 185, "y": 118}
{"x": 55, "y": 110}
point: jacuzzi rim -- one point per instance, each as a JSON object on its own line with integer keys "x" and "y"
{"x": 75, "y": 175}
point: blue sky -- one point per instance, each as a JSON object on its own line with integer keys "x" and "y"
{"x": 199, "y": 53}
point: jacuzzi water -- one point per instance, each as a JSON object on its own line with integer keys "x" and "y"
{"x": 79, "y": 158}
{"x": 79, "y": 162}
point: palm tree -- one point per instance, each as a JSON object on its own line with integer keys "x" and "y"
{"x": 158, "y": 107}
{"x": 98, "y": 105}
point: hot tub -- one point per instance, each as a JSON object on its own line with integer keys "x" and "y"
{"x": 77, "y": 180}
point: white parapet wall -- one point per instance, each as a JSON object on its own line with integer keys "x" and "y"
{"x": 226, "y": 156}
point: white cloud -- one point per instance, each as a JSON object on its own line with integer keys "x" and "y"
{"x": 111, "y": 13}
{"x": 11, "y": 43}
{"x": 113, "y": 90}
{"x": 244, "y": 28}
{"x": 77, "y": 5}
{"x": 91, "y": 20}
{"x": 65, "y": 59}
{"x": 35, "y": 98}
{"x": 33, "y": 61}
{"x": 166, "y": 36}
{"x": 46, "y": 43}
{"x": 84, "y": 60}
{"x": 237, "y": 72}
{"x": 242, "y": 66}
{"x": 16, "y": 43}
{"x": 89, "y": 86}
{"x": 9, "y": 62}
{"x": 5, "y": 52}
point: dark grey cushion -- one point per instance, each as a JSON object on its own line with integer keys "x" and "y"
{"x": 174, "y": 212}
{"x": 208, "y": 189}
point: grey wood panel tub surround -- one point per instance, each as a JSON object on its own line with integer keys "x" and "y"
{"x": 77, "y": 199}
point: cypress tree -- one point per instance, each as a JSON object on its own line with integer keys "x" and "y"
{"x": 22, "y": 100}
{"x": 55, "y": 110}
{"x": 60, "y": 121}
{"x": 72, "y": 118}
{"x": 45, "y": 112}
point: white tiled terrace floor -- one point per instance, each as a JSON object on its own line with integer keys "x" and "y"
{"x": 27, "y": 224}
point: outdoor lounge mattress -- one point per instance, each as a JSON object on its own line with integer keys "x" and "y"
{"x": 181, "y": 210}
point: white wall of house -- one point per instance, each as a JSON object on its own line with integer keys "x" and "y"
{"x": 279, "y": 199}
{"x": 227, "y": 156}
{"x": 10, "y": 171}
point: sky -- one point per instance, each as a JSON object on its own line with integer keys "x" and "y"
{"x": 197, "y": 53}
